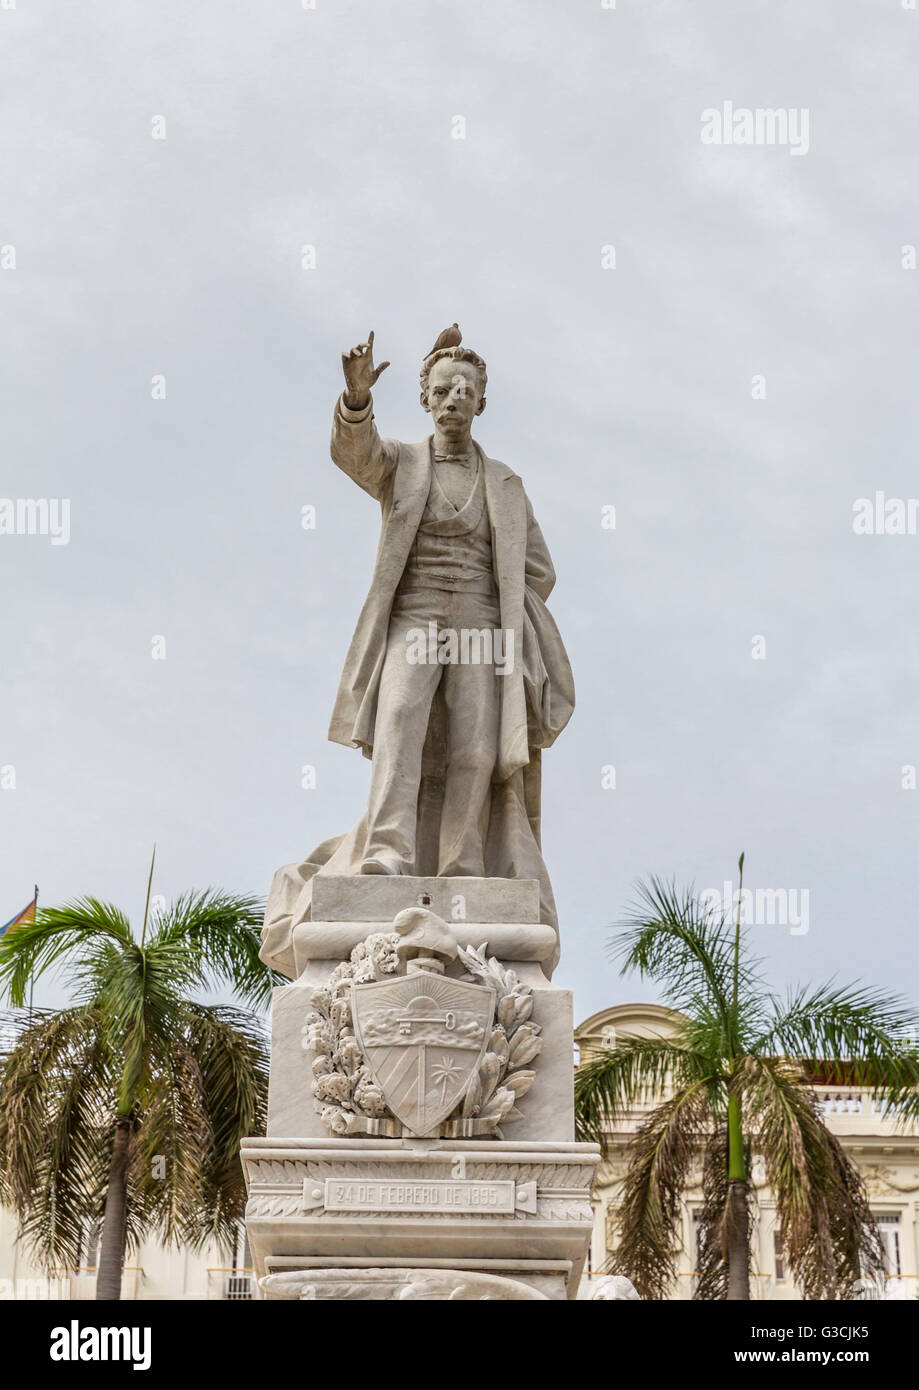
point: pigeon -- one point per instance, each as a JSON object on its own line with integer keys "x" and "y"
{"x": 451, "y": 337}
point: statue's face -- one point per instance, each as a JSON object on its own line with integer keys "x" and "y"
{"x": 453, "y": 395}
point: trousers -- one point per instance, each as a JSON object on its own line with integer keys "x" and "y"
{"x": 472, "y": 704}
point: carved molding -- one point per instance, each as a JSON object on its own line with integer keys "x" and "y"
{"x": 276, "y": 1187}
{"x": 880, "y": 1180}
{"x": 403, "y": 1285}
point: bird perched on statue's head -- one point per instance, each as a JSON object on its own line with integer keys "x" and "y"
{"x": 451, "y": 337}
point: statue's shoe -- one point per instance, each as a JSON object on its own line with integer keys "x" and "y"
{"x": 381, "y": 865}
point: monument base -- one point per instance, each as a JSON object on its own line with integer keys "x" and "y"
{"x": 441, "y": 1204}
{"x": 400, "y": 1212}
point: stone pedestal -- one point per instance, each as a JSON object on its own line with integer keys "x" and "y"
{"x": 470, "y": 1208}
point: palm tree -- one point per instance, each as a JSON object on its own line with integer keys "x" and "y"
{"x": 734, "y": 1076}
{"x": 130, "y": 1104}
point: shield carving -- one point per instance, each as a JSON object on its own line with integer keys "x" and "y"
{"x": 423, "y": 1037}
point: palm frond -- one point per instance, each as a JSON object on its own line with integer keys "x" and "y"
{"x": 34, "y": 947}
{"x": 862, "y": 1028}
{"x": 668, "y": 936}
{"x": 636, "y": 1069}
{"x": 217, "y": 937}
{"x": 54, "y": 1129}
{"x": 659, "y": 1158}
{"x": 232, "y": 1049}
{"x": 174, "y": 1143}
{"x": 212, "y": 1093}
{"x": 824, "y": 1216}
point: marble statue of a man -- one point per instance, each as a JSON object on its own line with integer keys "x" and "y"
{"x": 456, "y": 677}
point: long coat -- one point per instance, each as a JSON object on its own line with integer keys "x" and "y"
{"x": 537, "y": 698}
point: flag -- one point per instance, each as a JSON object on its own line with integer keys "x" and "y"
{"x": 26, "y": 915}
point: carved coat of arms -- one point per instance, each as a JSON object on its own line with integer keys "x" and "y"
{"x": 420, "y": 1051}
{"x": 424, "y": 1037}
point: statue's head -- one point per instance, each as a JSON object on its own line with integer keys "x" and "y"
{"x": 453, "y": 381}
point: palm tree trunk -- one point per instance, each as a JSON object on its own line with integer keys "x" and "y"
{"x": 738, "y": 1242}
{"x": 114, "y": 1220}
{"x": 738, "y": 1226}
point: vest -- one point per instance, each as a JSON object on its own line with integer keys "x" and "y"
{"x": 452, "y": 549}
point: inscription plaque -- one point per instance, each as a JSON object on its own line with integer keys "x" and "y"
{"x": 424, "y": 1194}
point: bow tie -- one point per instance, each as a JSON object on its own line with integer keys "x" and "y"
{"x": 453, "y": 458}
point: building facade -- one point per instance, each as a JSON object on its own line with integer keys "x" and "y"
{"x": 153, "y": 1272}
{"x": 887, "y": 1156}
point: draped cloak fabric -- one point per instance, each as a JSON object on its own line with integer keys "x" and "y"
{"x": 536, "y": 698}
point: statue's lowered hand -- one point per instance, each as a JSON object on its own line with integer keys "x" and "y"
{"x": 360, "y": 374}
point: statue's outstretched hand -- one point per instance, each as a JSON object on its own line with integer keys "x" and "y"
{"x": 360, "y": 374}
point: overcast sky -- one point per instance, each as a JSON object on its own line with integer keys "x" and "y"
{"x": 631, "y": 387}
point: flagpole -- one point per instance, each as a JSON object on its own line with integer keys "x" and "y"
{"x": 31, "y": 972}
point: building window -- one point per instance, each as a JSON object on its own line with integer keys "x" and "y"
{"x": 888, "y": 1224}
{"x": 239, "y": 1283}
{"x": 779, "y": 1250}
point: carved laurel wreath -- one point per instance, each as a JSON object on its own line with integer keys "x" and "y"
{"x": 345, "y": 1095}
{"x": 501, "y": 1079}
